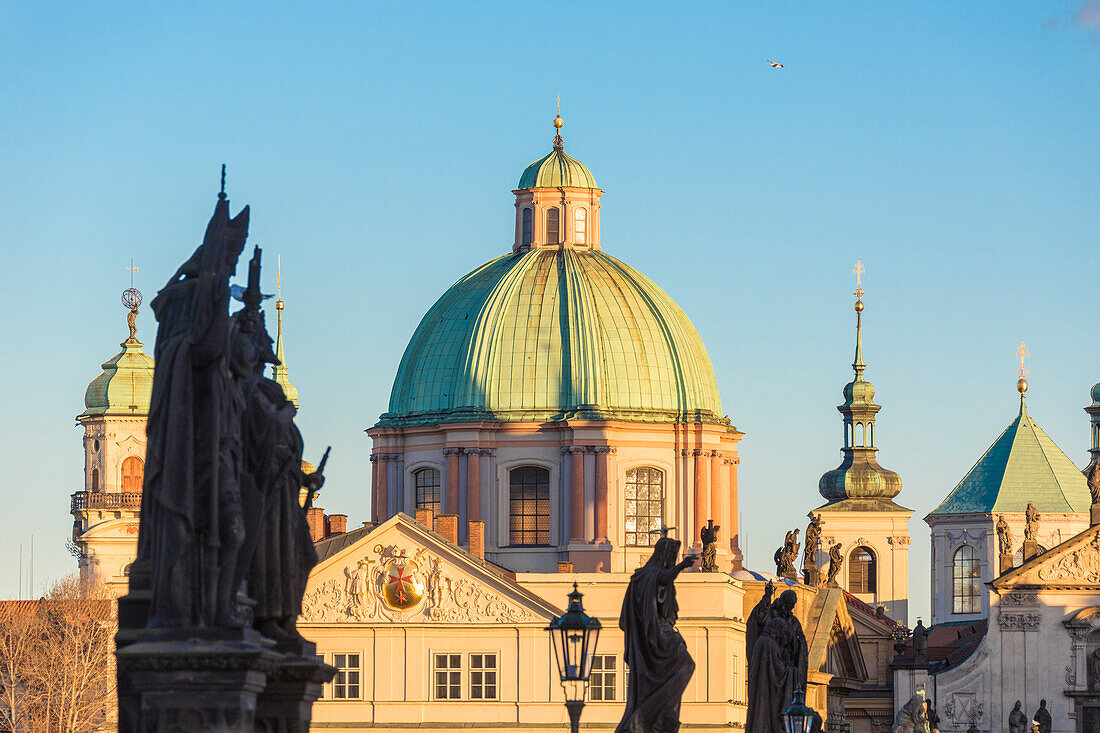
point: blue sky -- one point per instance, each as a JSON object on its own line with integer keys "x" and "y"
{"x": 951, "y": 146}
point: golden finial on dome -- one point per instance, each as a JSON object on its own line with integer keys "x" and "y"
{"x": 558, "y": 123}
{"x": 1022, "y": 372}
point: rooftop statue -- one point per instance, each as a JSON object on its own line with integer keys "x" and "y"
{"x": 836, "y": 562}
{"x": 1031, "y": 529}
{"x": 1017, "y": 721}
{"x": 778, "y": 660}
{"x": 708, "y": 535}
{"x": 787, "y": 555}
{"x": 1042, "y": 718}
{"x": 810, "y": 572}
{"x": 660, "y": 665}
{"x": 1004, "y": 535}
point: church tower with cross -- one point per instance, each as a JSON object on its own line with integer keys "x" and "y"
{"x": 105, "y": 512}
{"x": 1023, "y": 467}
{"x": 860, "y": 517}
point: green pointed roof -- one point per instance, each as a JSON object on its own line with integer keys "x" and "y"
{"x": 557, "y": 170}
{"x": 125, "y": 385}
{"x": 549, "y": 333}
{"x": 1023, "y": 465}
{"x": 279, "y": 371}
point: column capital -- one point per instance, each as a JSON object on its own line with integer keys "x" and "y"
{"x": 716, "y": 454}
{"x": 451, "y": 451}
{"x": 698, "y": 452}
{"x": 576, "y": 449}
{"x": 602, "y": 449}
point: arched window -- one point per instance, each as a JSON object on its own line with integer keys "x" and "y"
{"x": 966, "y": 581}
{"x": 427, "y": 489}
{"x": 529, "y": 505}
{"x": 859, "y": 435}
{"x": 552, "y": 227}
{"x": 580, "y": 226}
{"x": 644, "y": 506}
{"x": 861, "y": 570}
{"x": 133, "y": 472}
{"x": 527, "y": 233}
{"x": 95, "y": 479}
{"x": 1018, "y": 558}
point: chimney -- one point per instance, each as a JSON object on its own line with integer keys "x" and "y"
{"x": 315, "y": 518}
{"x": 476, "y": 533}
{"x": 337, "y": 523}
{"x": 565, "y": 566}
{"x": 447, "y": 525}
{"x": 426, "y": 517}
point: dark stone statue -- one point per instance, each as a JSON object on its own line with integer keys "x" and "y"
{"x": 660, "y": 666}
{"x": 920, "y": 641}
{"x": 1017, "y": 721}
{"x": 1042, "y": 717}
{"x": 811, "y": 574}
{"x": 836, "y": 562}
{"x": 778, "y": 660}
{"x": 191, "y": 520}
{"x": 787, "y": 555}
{"x": 709, "y": 537}
{"x": 280, "y": 548}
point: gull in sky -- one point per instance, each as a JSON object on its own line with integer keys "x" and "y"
{"x": 775, "y": 64}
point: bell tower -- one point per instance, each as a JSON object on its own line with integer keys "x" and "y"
{"x": 860, "y": 520}
{"x": 105, "y": 512}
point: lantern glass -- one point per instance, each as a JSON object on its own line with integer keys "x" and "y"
{"x": 798, "y": 717}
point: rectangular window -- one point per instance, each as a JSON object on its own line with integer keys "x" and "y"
{"x": 601, "y": 685}
{"x": 483, "y": 676}
{"x": 448, "y": 677}
{"x": 345, "y": 686}
{"x": 552, "y": 226}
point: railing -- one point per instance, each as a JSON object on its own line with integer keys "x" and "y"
{"x": 104, "y": 500}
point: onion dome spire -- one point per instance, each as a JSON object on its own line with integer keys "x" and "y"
{"x": 279, "y": 369}
{"x": 859, "y": 475}
{"x": 559, "y": 144}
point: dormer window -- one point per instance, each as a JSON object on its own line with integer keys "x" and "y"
{"x": 552, "y": 226}
{"x": 528, "y": 235}
{"x": 580, "y": 226}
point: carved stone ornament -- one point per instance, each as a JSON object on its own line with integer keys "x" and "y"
{"x": 1019, "y": 621}
{"x": 1020, "y": 599}
{"x": 1080, "y": 566}
{"x": 900, "y": 540}
{"x": 390, "y": 584}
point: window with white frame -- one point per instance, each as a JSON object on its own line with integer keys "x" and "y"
{"x": 345, "y": 686}
{"x": 603, "y": 679}
{"x": 483, "y": 676}
{"x": 644, "y": 506}
{"x": 580, "y": 226}
{"x": 448, "y": 676}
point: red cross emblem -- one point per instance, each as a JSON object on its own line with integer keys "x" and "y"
{"x": 403, "y": 588}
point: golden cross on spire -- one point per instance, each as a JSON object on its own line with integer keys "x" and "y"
{"x": 559, "y": 106}
{"x": 858, "y": 271}
{"x": 1023, "y": 353}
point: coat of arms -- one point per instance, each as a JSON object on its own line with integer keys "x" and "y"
{"x": 403, "y": 582}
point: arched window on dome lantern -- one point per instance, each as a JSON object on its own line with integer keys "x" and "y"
{"x": 644, "y": 506}
{"x": 966, "y": 581}
{"x": 862, "y": 570}
{"x": 427, "y": 481}
{"x": 553, "y": 227}
{"x": 133, "y": 473}
{"x": 529, "y": 506}
{"x": 580, "y": 226}
{"x": 528, "y": 232}
{"x": 95, "y": 479}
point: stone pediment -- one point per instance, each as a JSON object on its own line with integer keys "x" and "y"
{"x": 400, "y": 571}
{"x": 1073, "y": 564}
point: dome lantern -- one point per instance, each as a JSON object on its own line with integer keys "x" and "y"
{"x": 557, "y": 202}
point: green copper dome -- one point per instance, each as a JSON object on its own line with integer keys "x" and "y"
{"x": 125, "y": 385}
{"x": 557, "y": 170}
{"x": 1023, "y": 465}
{"x": 549, "y": 334}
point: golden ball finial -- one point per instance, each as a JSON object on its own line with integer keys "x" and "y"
{"x": 859, "y": 306}
{"x": 1021, "y": 385}
{"x": 558, "y": 122}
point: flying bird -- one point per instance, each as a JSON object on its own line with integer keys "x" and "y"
{"x": 775, "y": 64}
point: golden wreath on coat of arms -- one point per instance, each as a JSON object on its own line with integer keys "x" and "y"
{"x": 403, "y": 581}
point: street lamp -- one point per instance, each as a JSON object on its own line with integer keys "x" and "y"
{"x": 574, "y": 635}
{"x": 799, "y": 717}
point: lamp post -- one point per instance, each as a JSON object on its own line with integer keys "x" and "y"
{"x": 799, "y": 717}
{"x": 574, "y": 635}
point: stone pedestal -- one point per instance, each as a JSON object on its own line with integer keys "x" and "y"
{"x": 1005, "y": 563}
{"x": 286, "y": 703}
{"x": 1094, "y": 514}
{"x": 200, "y": 680}
{"x": 1031, "y": 549}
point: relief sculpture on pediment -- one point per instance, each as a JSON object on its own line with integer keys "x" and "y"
{"x": 1081, "y": 565}
{"x": 394, "y": 584}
